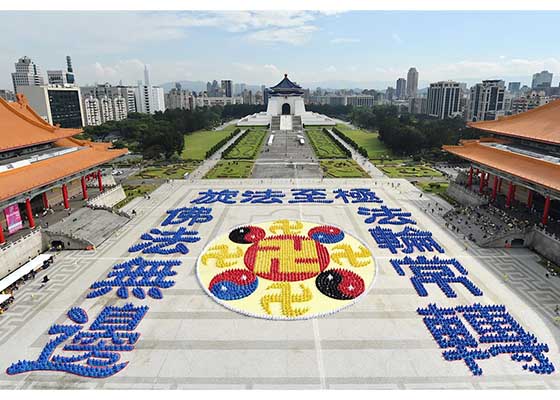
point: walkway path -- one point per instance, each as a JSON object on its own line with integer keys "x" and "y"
{"x": 364, "y": 162}
{"x": 213, "y": 160}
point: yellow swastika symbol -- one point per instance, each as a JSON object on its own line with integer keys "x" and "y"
{"x": 345, "y": 251}
{"x": 286, "y": 298}
{"x": 293, "y": 254}
{"x": 284, "y": 226}
{"x": 221, "y": 254}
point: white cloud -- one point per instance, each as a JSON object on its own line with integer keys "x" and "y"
{"x": 345, "y": 40}
{"x": 503, "y": 67}
{"x": 330, "y": 69}
{"x": 396, "y": 38}
{"x": 295, "y": 36}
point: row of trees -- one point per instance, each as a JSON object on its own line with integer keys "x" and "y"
{"x": 407, "y": 135}
{"x": 404, "y": 134}
{"x": 162, "y": 135}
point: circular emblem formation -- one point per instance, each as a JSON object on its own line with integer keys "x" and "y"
{"x": 286, "y": 269}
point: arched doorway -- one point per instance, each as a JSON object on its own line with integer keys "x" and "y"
{"x": 286, "y": 110}
{"x": 57, "y": 244}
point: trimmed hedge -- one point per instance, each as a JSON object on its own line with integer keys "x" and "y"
{"x": 226, "y": 152}
{"x": 221, "y": 143}
{"x": 342, "y": 148}
{"x": 351, "y": 142}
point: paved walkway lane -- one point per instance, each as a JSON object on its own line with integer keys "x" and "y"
{"x": 364, "y": 162}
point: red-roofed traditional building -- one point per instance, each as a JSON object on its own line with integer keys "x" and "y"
{"x": 39, "y": 162}
{"x": 520, "y": 159}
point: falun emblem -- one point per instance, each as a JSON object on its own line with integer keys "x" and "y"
{"x": 286, "y": 269}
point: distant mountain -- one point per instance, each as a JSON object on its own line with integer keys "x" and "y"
{"x": 344, "y": 84}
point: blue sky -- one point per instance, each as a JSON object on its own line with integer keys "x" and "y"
{"x": 370, "y": 48}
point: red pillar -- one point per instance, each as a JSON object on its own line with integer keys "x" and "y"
{"x": 469, "y": 181}
{"x": 546, "y": 210}
{"x": 495, "y": 188}
{"x": 530, "y": 199}
{"x": 481, "y": 184}
{"x": 511, "y": 191}
{"x": 65, "y": 196}
{"x": 84, "y": 188}
{"x": 29, "y": 213}
{"x": 500, "y": 184}
{"x": 45, "y": 200}
{"x": 2, "y": 238}
{"x": 99, "y": 180}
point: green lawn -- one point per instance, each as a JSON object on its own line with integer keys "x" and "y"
{"x": 175, "y": 171}
{"x": 248, "y": 147}
{"x": 230, "y": 169}
{"x": 433, "y": 187}
{"x": 420, "y": 171}
{"x": 198, "y": 143}
{"x": 381, "y": 162}
{"x": 342, "y": 169}
{"x": 368, "y": 140}
{"x": 133, "y": 191}
{"x": 324, "y": 145}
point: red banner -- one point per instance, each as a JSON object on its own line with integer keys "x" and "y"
{"x": 13, "y": 218}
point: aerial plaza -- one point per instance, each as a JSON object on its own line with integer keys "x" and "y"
{"x": 287, "y": 278}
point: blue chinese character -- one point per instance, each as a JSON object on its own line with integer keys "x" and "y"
{"x": 165, "y": 242}
{"x": 450, "y": 333}
{"x": 96, "y": 351}
{"x": 361, "y": 195}
{"x": 267, "y": 196}
{"x": 386, "y": 215}
{"x": 195, "y": 215}
{"x": 137, "y": 274}
{"x": 309, "y": 196}
{"x": 498, "y": 333}
{"x": 408, "y": 240}
{"x": 210, "y": 196}
{"x": 435, "y": 270}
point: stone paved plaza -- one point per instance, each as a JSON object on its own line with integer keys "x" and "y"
{"x": 190, "y": 341}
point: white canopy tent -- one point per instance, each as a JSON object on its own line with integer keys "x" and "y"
{"x": 4, "y": 297}
{"x": 32, "y": 265}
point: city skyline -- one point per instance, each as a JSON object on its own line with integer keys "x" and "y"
{"x": 328, "y": 49}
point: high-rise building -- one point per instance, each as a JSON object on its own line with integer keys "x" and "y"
{"x": 227, "y": 88}
{"x": 178, "y": 98}
{"x": 401, "y": 88}
{"x": 149, "y": 99}
{"x": 117, "y": 97}
{"x": 486, "y": 102}
{"x": 390, "y": 93}
{"x": 514, "y": 87}
{"x": 412, "y": 82}
{"x": 417, "y": 105}
{"x": 534, "y": 99}
{"x": 247, "y": 97}
{"x": 444, "y": 99}
{"x": 60, "y": 77}
{"x": 56, "y": 104}
{"x": 27, "y": 74}
{"x": 92, "y": 114}
{"x": 70, "y": 78}
{"x": 106, "y": 109}
{"x": 7, "y": 95}
{"x": 120, "y": 109}
{"x": 56, "y": 77}
{"x": 542, "y": 80}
